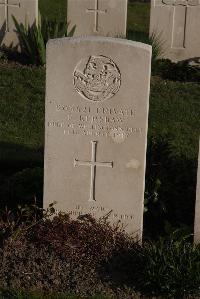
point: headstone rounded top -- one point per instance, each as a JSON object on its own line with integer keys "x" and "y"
{"x": 112, "y": 40}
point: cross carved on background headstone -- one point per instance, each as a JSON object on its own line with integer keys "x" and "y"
{"x": 96, "y": 11}
{"x": 6, "y": 6}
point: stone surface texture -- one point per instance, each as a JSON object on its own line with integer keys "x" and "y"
{"x": 97, "y": 99}
{"x": 197, "y": 208}
{"x": 25, "y": 11}
{"x": 98, "y": 17}
{"x": 177, "y": 25}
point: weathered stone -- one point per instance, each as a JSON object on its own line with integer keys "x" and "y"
{"x": 98, "y": 17}
{"x": 197, "y": 208}
{"x": 96, "y": 127}
{"x": 25, "y": 12}
{"x": 177, "y": 24}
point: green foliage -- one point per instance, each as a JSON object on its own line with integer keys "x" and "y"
{"x": 33, "y": 39}
{"x": 170, "y": 268}
{"x": 57, "y": 255}
{"x": 153, "y": 40}
{"x": 157, "y": 46}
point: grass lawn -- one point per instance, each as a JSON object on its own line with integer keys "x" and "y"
{"x": 53, "y": 9}
{"x": 138, "y": 17}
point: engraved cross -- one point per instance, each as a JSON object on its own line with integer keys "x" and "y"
{"x": 96, "y": 11}
{"x": 6, "y": 7}
{"x": 93, "y": 164}
{"x": 179, "y": 40}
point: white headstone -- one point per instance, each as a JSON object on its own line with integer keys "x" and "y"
{"x": 25, "y": 12}
{"x": 96, "y": 127}
{"x": 98, "y": 17}
{"x": 177, "y": 24}
{"x": 197, "y": 208}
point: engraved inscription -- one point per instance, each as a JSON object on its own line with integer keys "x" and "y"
{"x": 108, "y": 122}
{"x": 96, "y": 12}
{"x": 97, "y": 78}
{"x": 99, "y": 211}
{"x": 93, "y": 164}
{"x": 6, "y": 6}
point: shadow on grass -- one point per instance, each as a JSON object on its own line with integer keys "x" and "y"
{"x": 170, "y": 189}
{"x": 21, "y": 175}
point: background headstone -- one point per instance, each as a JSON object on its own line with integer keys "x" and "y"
{"x": 25, "y": 11}
{"x": 96, "y": 127}
{"x": 197, "y": 208}
{"x": 177, "y": 23}
{"x": 98, "y": 17}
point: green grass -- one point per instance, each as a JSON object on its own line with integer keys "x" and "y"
{"x": 138, "y": 17}
{"x": 53, "y": 9}
{"x": 22, "y": 105}
{"x": 174, "y": 111}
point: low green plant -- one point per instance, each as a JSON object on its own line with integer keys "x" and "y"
{"x": 154, "y": 40}
{"x": 170, "y": 268}
{"x": 157, "y": 44}
{"x": 90, "y": 257}
{"x": 33, "y": 39}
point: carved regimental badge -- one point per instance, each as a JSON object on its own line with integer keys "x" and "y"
{"x": 97, "y": 78}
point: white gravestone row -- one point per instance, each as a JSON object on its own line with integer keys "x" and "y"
{"x": 177, "y": 24}
{"x": 197, "y": 208}
{"x": 96, "y": 128}
{"x": 98, "y": 17}
{"x": 25, "y": 12}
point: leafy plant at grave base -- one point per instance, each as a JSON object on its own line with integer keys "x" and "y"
{"x": 154, "y": 40}
{"x": 61, "y": 255}
{"x": 33, "y": 39}
{"x": 170, "y": 268}
{"x": 157, "y": 46}
{"x": 87, "y": 257}
{"x": 17, "y": 221}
